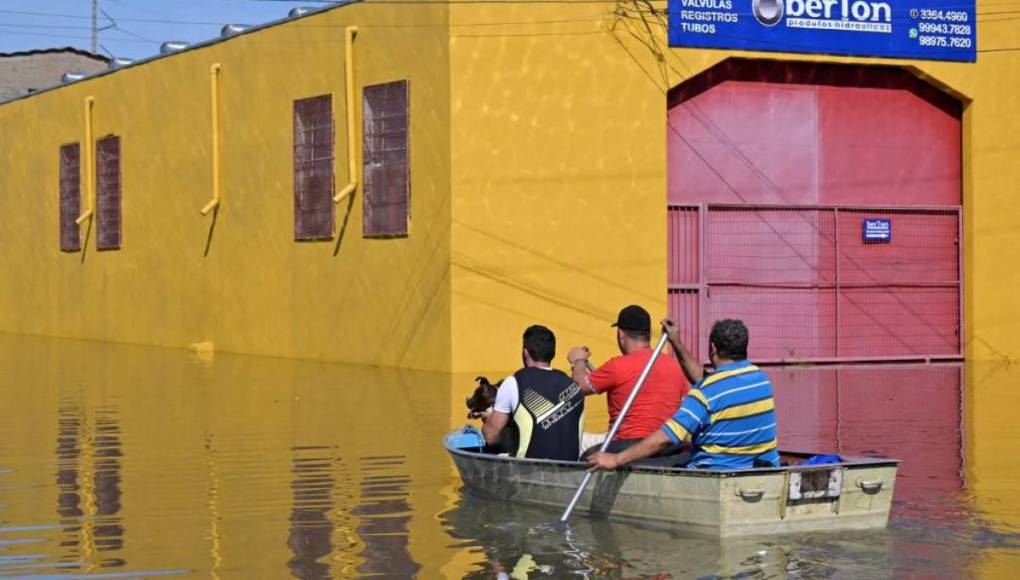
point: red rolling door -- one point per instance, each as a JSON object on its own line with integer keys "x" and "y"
{"x": 779, "y": 175}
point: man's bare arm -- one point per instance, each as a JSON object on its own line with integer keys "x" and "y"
{"x": 493, "y": 426}
{"x": 647, "y": 447}
{"x": 580, "y": 368}
{"x": 690, "y": 365}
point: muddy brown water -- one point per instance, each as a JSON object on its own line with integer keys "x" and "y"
{"x": 124, "y": 462}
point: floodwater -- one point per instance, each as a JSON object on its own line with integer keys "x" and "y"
{"x": 123, "y": 462}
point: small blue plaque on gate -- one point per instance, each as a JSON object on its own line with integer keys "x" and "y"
{"x": 877, "y": 231}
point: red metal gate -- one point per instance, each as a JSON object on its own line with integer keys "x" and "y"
{"x": 811, "y": 288}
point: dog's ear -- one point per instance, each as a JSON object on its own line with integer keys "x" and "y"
{"x": 481, "y": 380}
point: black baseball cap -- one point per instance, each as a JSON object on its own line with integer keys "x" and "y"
{"x": 634, "y": 318}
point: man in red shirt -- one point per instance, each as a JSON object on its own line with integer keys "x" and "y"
{"x": 659, "y": 397}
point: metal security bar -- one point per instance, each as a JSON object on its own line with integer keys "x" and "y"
{"x": 108, "y": 194}
{"x": 70, "y": 197}
{"x": 313, "y": 168}
{"x": 811, "y": 284}
{"x": 387, "y": 187}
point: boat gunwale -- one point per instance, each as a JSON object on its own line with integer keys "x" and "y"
{"x": 848, "y": 462}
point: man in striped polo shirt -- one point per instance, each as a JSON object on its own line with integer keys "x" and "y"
{"x": 728, "y": 416}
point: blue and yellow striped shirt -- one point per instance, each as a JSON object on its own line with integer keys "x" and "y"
{"x": 729, "y": 416}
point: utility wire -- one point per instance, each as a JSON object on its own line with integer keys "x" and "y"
{"x": 46, "y": 26}
{"x": 419, "y": 2}
{"x": 51, "y": 35}
{"x": 407, "y": 26}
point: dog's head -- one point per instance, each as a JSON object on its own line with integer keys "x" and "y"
{"x": 484, "y": 395}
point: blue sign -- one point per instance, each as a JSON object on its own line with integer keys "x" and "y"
{"x": 915, "y": 29}
{"x": 877, "y": 231}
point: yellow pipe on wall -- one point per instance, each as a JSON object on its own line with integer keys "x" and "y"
{"x": 90, "y": 167}
{"x": 214, "y": 80}
{"x": 352, "y": 166}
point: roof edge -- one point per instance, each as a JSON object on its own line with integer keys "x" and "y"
{"x": 191, "y": 47}
{"x": 56, "y": 50}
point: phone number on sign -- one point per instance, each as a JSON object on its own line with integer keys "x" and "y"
{"x": 949, "y": 15}
{"x": 944, "y": 28}
{"x": 943, "y": 42}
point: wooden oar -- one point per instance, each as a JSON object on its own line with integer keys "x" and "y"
{"x": 616, "y": 424}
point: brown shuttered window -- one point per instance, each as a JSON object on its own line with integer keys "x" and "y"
{"x": 386, "y": 169}
{"x": 70, "y": 197}
{"x": 313, "y": 168}
{"x": 108, "y": 223}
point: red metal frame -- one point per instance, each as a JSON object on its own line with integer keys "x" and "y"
{"x": 959, "y": 274}
{"x": 704, "y": 286}
{"x": 703, "y": 291}
{"x": 838, "y": 279}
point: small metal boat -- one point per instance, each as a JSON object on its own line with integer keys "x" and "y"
{"x": 851, "y": 495}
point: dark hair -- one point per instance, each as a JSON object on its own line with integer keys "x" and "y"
{"x": 540, "y": 342}
{"x": 730, "y": 339}
{"x": 637, "y": 334}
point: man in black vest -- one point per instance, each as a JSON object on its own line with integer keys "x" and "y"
{"x": 546, "y": 404}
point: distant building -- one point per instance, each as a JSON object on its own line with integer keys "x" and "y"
{"x": 26, "y": 72}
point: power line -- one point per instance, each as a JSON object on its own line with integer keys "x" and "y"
{"x": 360, "y": 3}
{"x": 659, "y": 15}
{"x": 46, "y": 26}
{"x": 51, "y": 35}
{"x": 135, "y": 35}
{"x": 651, "y": 10}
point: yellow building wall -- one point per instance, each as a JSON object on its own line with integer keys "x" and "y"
{"x": 991, "y": 466}
{"x": 559, "y": 173}
{"x": 559, "y": 180}
{"x": 538, "y": 151}
{"x": 239, "y": 281}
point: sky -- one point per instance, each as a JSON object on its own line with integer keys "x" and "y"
{"x": 137, "y": 28}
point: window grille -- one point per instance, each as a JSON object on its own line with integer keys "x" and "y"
{"x": 313, "y": 168}
{"x": 387, "y": 180}
{"x": 108, "y": 210}
{"x": 70, "y": 197}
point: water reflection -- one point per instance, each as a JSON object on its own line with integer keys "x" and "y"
{"x": 88, "y": 485}
{"x": 385, "y": 516}
{"x": 108, "y": 531}
{"x": 68, "y": 500}
{"x": 520, "y": 542}
{"x": 311, "y": 530}
{"x": 910, "y": 412}
{"x": 119, "y": 460}
{"x": 141, "y": 461}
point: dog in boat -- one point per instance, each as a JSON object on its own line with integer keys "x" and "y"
{"x": 482, "y": 400}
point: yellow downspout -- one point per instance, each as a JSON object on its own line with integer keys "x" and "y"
{"x": 90, "y": 167}
{"x": 352, "y": 166}
{"x": 214, "y": 80}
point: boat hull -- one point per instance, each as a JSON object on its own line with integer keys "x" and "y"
{"x": 854, "y": 494}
